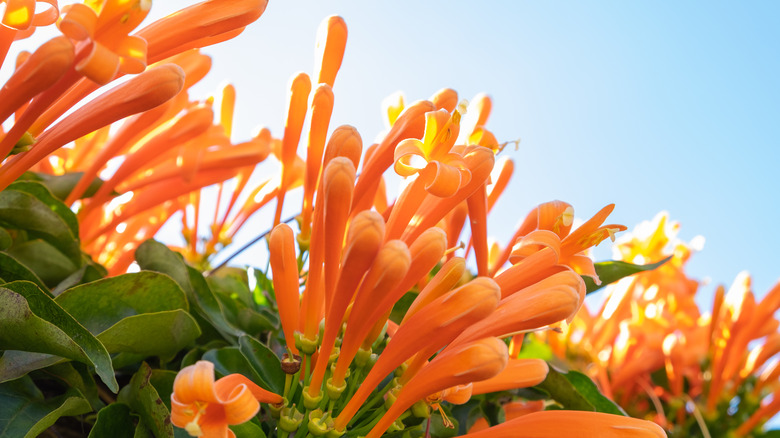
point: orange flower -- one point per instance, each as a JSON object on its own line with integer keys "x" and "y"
{"x": 471, "y": 362}
{"x": 204, "y": 407}
{"x": 519, "y": 373}
{"x": 582, "y": 424}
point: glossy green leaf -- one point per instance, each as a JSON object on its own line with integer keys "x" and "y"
{"x": 564, "y": 392}
{"x": 61, "y": 185}
{"x": 247, "y": 319}
{"x": 248, "y": 430}
{"x": 5, "y": 239}
{"x": 439, "y": 429}
{"x": 590, "y": 391}
{"x": 612, "y": 271}
{"x": 144, "y": 399}
{"x": 229, "y": 360}
{"x": 113, "y": 421}
{"x": 30, "y": 206}
{"x": 154, "y": 256}
{"x": 46, "y": 261}
{"x": 15, "y": 364}
{"x": 210, "y": 307}
{"x": 43, "y": 194}
{"x": 264, "y": 362}
{"x": 402, "y": 306}
{"x": 72, "y": 375}
{"x": 533, "y": 348}
{"x": 141, "y": 431}
{"x": 151, "y": 334}
{"x": 103, "y": 303}
{"x": 162, "y": 380}
{"x": 30, "y": 320}
{"x": 25, "y": 413}
{"x": 231, "y": 282}
{"x": 87, "y": 273}
{"x": 12, "y": 270}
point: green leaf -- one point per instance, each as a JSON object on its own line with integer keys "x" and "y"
{"x": 25, "y": 413}
{"x": 103, "y": 303}
{"x": 231, "y": 282}
{"x": 564, "y": 392}
{"x": 162, "y": 380}
{"x": 229, "y": 360}
{"x": 144, "y": 399}
{"x": 5, "y": 239}
{"x": 30, "y": 320}
{"x": 12, "y": 270}
{"x": 533, "y": 348}
{"x": 248, "y": 430}
{"x": 612, "y": 271}
{"x": 151, "y": 334}
{"x": 439, "y": 429}
{"x": 43, "y": 194}
{"x": 492, "y": 411}
{"x": 113, "y": 421}
{"x": 72, "y": 375}
{"x": 15, "y": 364}
{"x": 154, "y": 256}
{"x": 210, "y": 307}
{"x": 61, "y": 185}
{"x": 401, "y": 306}
{"x": 590, "y": 391}
{"x": 263, "y": 286}
{"x": 247, "y": 319}
{"x": 46, "y": 261}
{"x": 264, "y": 362}
{"x": 87, "y": 273}
{"x": 466, "y": 415}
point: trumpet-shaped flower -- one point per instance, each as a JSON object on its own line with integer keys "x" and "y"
{"x": 204, "y": 407}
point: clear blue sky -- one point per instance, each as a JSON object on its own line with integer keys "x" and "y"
{"x": 651, "y": 106}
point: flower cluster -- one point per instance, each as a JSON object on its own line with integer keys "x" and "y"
{"x": 368, "y": 321}
{"x": 652, "y": 349}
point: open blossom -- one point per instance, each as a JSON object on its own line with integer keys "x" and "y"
{"x": 205, "y": 407}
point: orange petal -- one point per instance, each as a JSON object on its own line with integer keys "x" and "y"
{"x": 554, "y": 424}
{"x": 195, "y": 383}
{"x": 284, "y": 265}
{"x": 187, "y": 28}
{"x": 331, "y": 41}
{"x": 467, "y": 363}
{"x": 141, "y": 93}
{"x": 519, "y": 373}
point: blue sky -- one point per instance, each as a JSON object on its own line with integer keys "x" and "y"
{"x": 652, "y": 106}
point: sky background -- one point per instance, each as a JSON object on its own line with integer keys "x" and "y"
{"x": 652, "y": 106}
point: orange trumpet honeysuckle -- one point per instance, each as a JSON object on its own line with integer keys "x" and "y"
{"x": 422, "y": 335}
{"x": 519, "y": 373}
{"x": 204, "y": 407}
{"x": 568, "y": 247}
{"x": 554, "y": 424}
{"x": 104, "y": 26}
{"x": 470, "y": 362}
{"x": 546, "y": 302}
{"x": 141, "y": 93}
{"x": 281, "y": 247}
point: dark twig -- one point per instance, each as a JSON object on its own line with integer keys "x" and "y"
{"x": 246, "y": 246}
